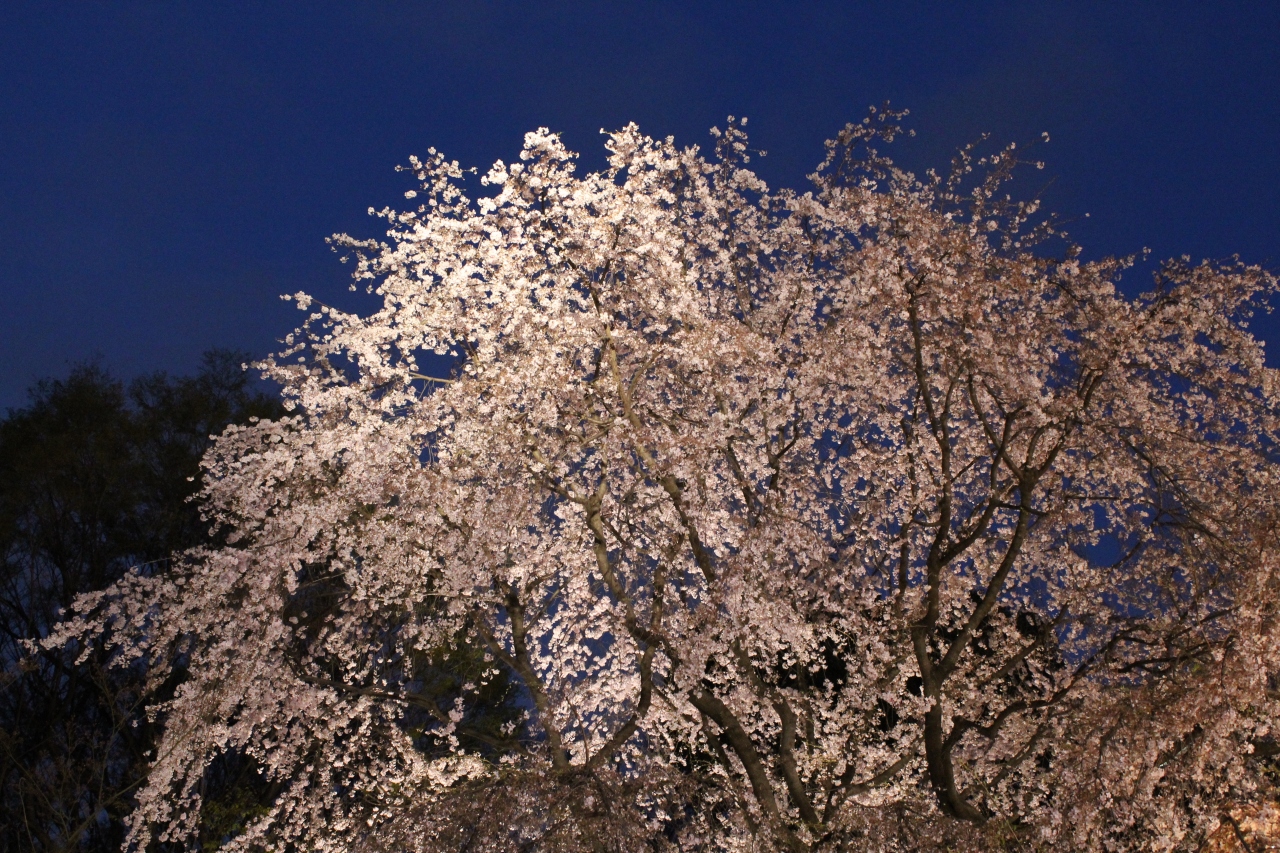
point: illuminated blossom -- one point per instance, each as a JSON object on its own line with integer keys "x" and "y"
{"x": 845, "y": 519}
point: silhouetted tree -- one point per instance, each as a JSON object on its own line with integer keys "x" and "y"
{"x": 95, "y": 477}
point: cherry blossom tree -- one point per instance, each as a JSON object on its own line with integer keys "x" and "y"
{"x": 744, "y": 519}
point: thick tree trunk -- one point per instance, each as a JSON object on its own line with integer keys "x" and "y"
{"x": 941, "y": 772}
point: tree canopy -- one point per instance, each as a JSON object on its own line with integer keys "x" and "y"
{"x": 854, "y": 518}
{"x": 95, "y": 478}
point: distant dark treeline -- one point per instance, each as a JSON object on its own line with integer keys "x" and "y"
{"x": 95, "y": 478}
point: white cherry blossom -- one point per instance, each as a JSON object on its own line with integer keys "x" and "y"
{"x": 849, "y": 519}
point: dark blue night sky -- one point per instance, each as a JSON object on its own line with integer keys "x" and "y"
{"x": 168, "y": 169}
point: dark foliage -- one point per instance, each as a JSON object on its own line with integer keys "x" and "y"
{"x": 95, "y": 477}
